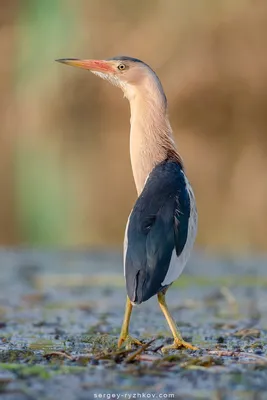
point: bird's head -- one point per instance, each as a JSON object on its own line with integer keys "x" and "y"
{"x": 130, "y": 74}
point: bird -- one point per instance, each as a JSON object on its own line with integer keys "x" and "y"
{"x": 162, "y": 226}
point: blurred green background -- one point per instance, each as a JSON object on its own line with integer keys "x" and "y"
{"x": 65, "y": 174}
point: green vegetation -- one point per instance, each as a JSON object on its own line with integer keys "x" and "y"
{"x": 40, "y": 371}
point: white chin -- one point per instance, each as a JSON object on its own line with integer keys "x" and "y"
{"x": 113, "y": 79}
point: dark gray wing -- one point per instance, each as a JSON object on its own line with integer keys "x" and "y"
{"x": 157, "y": 225}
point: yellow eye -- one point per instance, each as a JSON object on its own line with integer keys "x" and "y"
{"x": 121, "y": 67}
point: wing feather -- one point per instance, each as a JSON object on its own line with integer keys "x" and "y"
{"x": 157, "y": 226}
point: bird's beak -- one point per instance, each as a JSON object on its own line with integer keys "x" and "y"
{"x": 91, "y": 65}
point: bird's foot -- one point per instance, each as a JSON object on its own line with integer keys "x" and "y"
{"x": 178, "y": 344}
{"x": 128, "y": 341}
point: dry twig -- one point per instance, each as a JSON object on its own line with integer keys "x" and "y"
{"x": 227, "y": 353}
{"x": 139, "y": 351}
{"x": 59, "y": 354}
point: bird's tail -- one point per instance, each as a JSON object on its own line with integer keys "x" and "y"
{"x": 140, "y": 287}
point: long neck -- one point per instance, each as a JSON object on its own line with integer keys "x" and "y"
{"x": 151, "y": 139}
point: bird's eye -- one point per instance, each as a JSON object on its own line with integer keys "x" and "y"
{"x": 121, "y": 67}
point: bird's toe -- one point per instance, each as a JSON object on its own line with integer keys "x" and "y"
{"x": 128, "y": 341}
{"x": 179, "y": 345}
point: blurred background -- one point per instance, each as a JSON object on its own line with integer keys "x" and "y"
{"x": 65, "y": 173}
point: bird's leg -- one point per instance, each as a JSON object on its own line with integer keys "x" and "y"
{"x": 178, "y": 340}
{"x": 124, "y": 336}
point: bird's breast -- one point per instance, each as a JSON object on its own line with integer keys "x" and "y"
{"x": 145, "y": 156}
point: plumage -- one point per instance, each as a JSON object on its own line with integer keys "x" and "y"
{"x": 126, "y": 58}
{"x": 161, "y": 228}
{"x": 157, "y": 227}
{"x": 178, "y": 263}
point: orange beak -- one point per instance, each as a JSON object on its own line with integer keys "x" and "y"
{"x": 91, "y": 65}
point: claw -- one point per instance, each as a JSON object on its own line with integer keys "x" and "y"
{"x": 129, "y": 341}
{"x": 178, "y": 344}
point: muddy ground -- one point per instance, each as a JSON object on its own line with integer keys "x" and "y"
{"x": 60, "y": 316}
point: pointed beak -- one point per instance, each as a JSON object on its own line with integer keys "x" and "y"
{"x": 91, "y": 65}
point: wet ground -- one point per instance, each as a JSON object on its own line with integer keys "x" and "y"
{"x": 60, "y": 317}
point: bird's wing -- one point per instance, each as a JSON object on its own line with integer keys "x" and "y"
{"x": 157, "y": 227}
{"x": 179, "y": 258}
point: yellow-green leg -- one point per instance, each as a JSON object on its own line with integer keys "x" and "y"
{"x": 124, "y": 336}
{"x": 178, "y": 340}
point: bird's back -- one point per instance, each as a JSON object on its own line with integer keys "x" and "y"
{"x": 157, "y": 233}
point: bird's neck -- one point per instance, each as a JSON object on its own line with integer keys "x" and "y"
{"x": 151, "y": 138}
